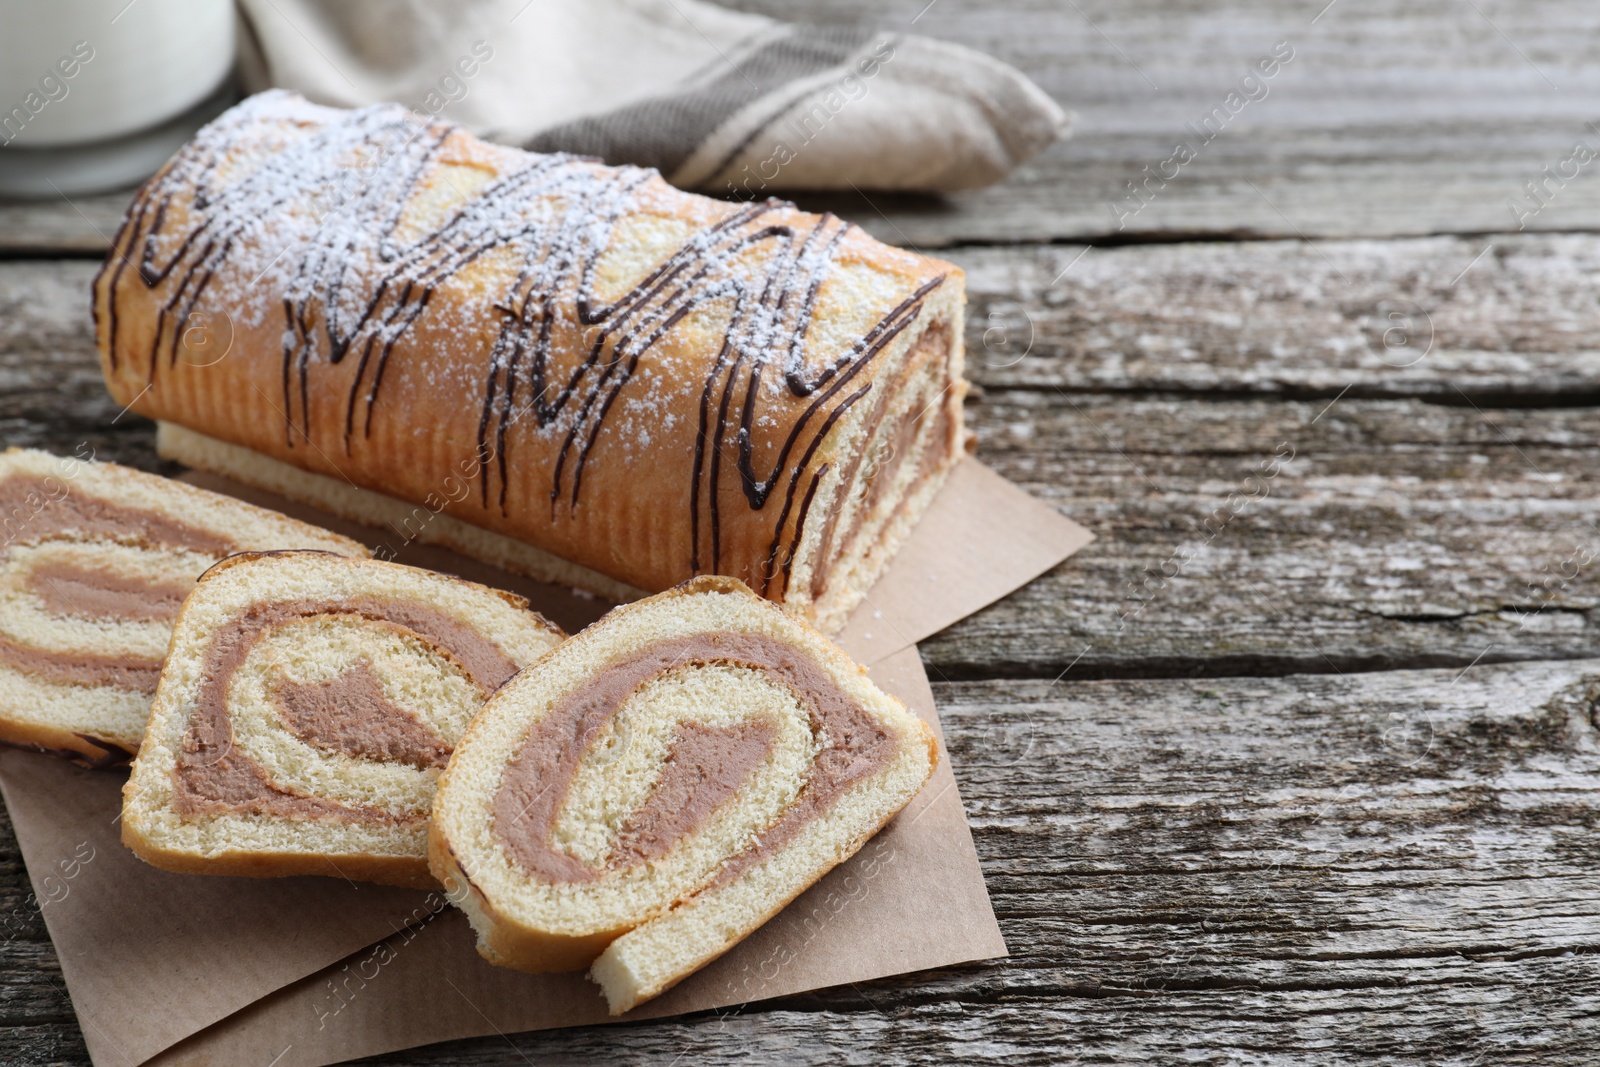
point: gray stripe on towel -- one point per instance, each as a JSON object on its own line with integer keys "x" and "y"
{"x": 664, "y": 131}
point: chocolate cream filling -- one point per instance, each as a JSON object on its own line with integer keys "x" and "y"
{"x": 933, "y": 346}
{"x": 34, "y": 510}
{"x": 212, "y": 776}
{"x": 884, "y": 476}
{"x": 91, "y": 593}
{"x": 352, "y": 716}
{"x": 40, "y": 513}
{"x": 705, "y": 768}
{"x": 82, "y": 668}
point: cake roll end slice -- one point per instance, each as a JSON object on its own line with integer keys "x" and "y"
{"x": 655, "y": 789}
{"x": 95, "y": 561}
{"x": 308, "y": 706}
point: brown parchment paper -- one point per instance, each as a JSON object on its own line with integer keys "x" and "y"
{"x": 913, "y": 898}
{"x": 315, "y": 970}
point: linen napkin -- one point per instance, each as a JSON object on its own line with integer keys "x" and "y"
{"x": 728, "y": 102}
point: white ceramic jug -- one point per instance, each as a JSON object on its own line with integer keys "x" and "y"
{"x": 98, "y": 93}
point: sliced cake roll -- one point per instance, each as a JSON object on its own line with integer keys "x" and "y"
{"x": 95, "y": 560}
{"x": 662, "y": 784}
{"x": 567, "y": 368}
{"x": 307, "y": 707}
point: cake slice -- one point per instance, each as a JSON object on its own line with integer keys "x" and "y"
{"x": 662, "y": 784}
{"x": 95, "y": 560}
{"x": 307, "y": 707}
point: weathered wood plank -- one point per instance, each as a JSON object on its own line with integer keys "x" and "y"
{"x": 1401, "y": 533}
{"x": 1502, "y": 319}
{"x": 1508, "y": 319}
{"x": 80, "y": 225}
{"x": 1392, "y": 867}
{"x": 1387, "y": 121}
{"x": 1380, "y": 868}
{"x": 51, "y": 393}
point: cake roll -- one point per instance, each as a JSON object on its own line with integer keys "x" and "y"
{"x": 655, "y": 789}
{"x": 95, "y": 560}
{"x": 308, "y": 705}
{"x": 571, "y": 369}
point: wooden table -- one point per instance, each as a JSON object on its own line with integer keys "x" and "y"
{"x": 1300, "y": 762}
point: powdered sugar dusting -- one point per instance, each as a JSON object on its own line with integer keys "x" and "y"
{"x": 310, "y": 205}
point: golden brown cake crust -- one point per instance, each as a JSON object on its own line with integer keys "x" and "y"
{"x": 200, "y": 801}
{"x": 648, "y": 383}
{"x": 505, "y": 766}
{"x": 80, "y": 748}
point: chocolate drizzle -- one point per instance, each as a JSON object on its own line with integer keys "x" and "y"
{"x": 356, "y": 282}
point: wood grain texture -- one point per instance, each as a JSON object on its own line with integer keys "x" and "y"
{"x": 1405, "y": 524}
{"x": 1374, "y": 868}
{"x": 1287, "y": 768}
{"x": 1503, "y": 319}
{"x": 1398, "y": 535}
{"x": 1360, "y": 869}
{"x": 1389, "y": 120}
{"x": 1275, "y": 486}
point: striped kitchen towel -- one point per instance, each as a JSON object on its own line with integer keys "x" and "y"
{"x": 718, "y": 100}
